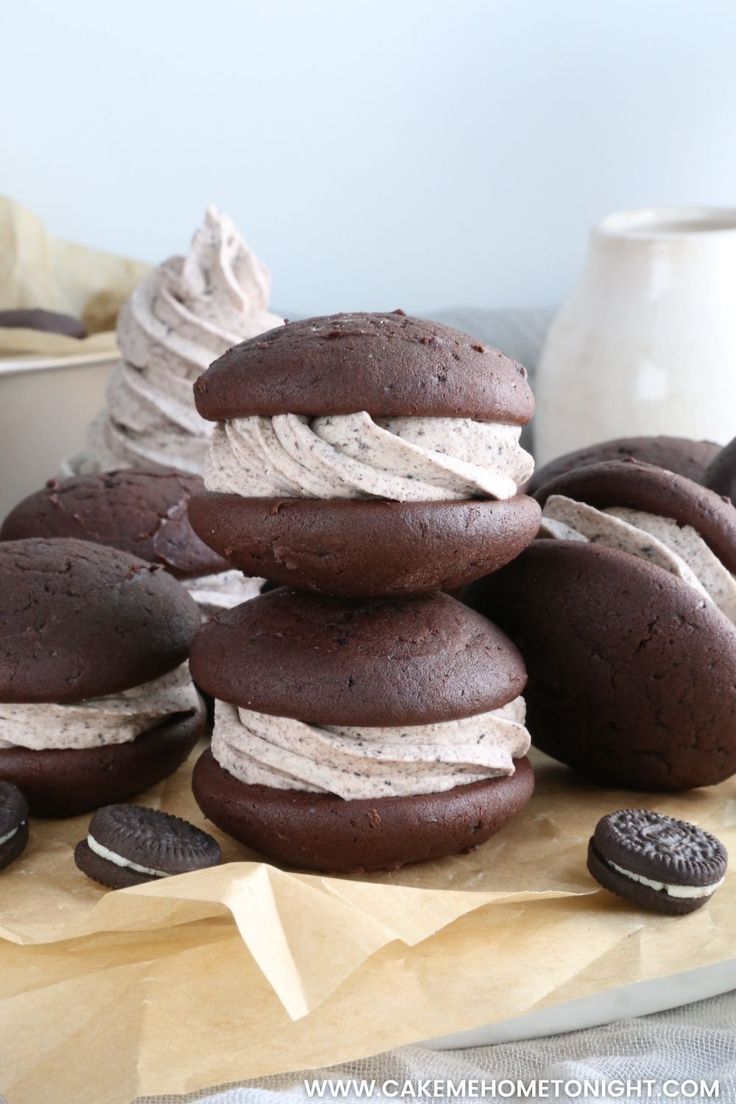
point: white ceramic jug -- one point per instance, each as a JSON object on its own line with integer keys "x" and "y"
{"x": 647, "y": 341}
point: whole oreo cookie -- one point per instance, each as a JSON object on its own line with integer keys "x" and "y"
{"x": 127, "y": 845}
{"x": 43, "y": 320}
{"x": 13, "y": 823}
{"x": 630, "y": 669}
{"x": 676, "y": 454}
{"x": 656, "y": 861}
{"x": 143, "y": 513}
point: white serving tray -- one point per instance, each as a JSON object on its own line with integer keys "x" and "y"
{"x": 639, "y": 999}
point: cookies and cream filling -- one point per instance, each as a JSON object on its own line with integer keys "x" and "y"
{"x": 120, "y": 860}
{"x": 363, "y": 762}
{"x": 182, "y": 316}
{"x": 412, "y": 459}
{"x": 98, "y": 722}
{"x": 676, "y": 548}
{"x": 222, "y": 591}
{"x": 682, "y": 891}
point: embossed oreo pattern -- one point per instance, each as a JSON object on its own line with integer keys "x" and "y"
{"x": 661, "y": 847}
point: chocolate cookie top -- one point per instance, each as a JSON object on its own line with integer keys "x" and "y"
{"x": 43, "y": 320}
{"x": 660, "y": 848}
{"x": 337, "y": 661}
{"x": 386, "y": 364}
{"x": 677, "y": 454}
{"x": 79, "y": 620}
{"x": 640, "y": 486}
{"x": 721, "y": 473}
{"x": 144, "y": 513}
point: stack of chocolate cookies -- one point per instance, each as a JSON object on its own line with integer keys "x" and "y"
{"x": 364, "y": 719}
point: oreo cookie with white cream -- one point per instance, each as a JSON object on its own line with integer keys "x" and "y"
{"x": 127, "y": 845}
{"x": 13, "y": 823}
{"x": 656, "y": 861}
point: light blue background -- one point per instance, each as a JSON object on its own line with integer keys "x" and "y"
{"x": 376, "y": 153}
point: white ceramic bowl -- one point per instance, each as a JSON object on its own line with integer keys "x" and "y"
{"x": 45, "y": 407}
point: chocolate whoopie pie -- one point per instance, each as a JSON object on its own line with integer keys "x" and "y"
{"x": 655, "y": 861}
{"x": 128, "y": 845}
{"x": 96, "y": 701}
{"x": 366, "y": 455}
{"x": 13, "y": 823}
{"x": 43, "y": 320}
{"x": 631, "y": 670}
{"x": 141, "y": 512}
{"x": 681, "y": 455}
{"x": 654, "y": 514}
{"x": 360, "y": 735}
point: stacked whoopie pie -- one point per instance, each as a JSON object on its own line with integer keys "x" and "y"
{"x": 363, "y": 719}
{"x": 96, "y": 700}
{"x": 625, "y": 616}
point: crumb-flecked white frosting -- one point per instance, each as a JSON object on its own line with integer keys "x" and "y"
{"x": 98, "y": 722}
{"x": 360, "y": 762}
{"x": 222, "y": 590}
{"x": 412, "y": 459}
{"x": 682, "y": 891}
{"x": 677, "y": 548}
{"x": 183, "y": 315}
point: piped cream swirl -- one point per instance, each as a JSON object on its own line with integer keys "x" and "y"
{"x": 185, "y": 313}
{"x": 359, "y": 762}
{"x": 99, "y": 722}
{"x": 407, "y": 459}
{"x": 676, "y": 548}
{"x": 222, "y": 591}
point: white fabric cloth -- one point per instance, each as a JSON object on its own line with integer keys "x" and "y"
{"x": 695, "y": 1042}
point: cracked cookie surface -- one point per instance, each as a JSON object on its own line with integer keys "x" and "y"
{"x": 79, "y": 620}
{"x": 143, "y": 513}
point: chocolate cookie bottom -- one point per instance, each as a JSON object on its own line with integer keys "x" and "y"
{"x": 362, "y": 548}
{"x": 65, "y": 782}
{"x": 325, "y": 833}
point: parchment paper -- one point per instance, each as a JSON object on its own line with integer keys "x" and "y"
{"x": 39, "y": 270}
{"x": 245, "y": 970}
